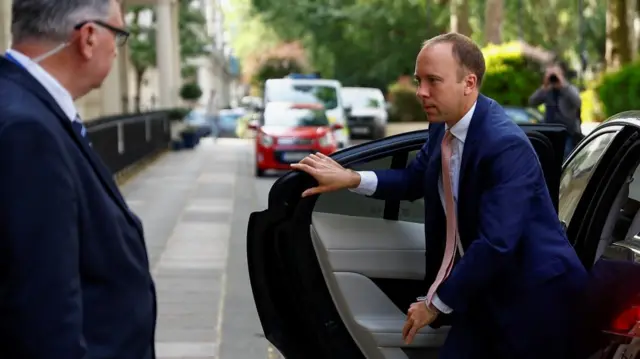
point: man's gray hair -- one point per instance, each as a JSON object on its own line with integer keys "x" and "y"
{"x": 53, "y": 20}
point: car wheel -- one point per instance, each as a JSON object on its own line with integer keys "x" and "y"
{"x": 381, "y": 133}
{"x": 259, "y": 172}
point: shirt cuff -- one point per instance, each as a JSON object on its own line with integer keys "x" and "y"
{"x": 368, "y": 183}
{"x": 440, "y": 305}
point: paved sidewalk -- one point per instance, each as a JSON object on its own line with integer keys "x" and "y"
{"x": 194, "y": 206}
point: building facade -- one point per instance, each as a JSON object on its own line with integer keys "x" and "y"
{"x": 160, "y": 86}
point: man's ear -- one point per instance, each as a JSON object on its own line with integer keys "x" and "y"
{"x": 470, "y": 84}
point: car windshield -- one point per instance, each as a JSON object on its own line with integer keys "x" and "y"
{"x": 361, "y": 99}
{"x": 229, "y": 118}
{"x": 295, "y": 117}
{"x": 196, "y": 117}
{"x": 522, "y": 115}
{"x": 288, "y": 91}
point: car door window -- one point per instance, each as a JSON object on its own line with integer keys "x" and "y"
{"x": 577, "y": 173}
{"x": 412, "y": 211}
{"x": 348, "y": 203}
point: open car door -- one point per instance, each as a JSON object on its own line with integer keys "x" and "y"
{"x": 333, "y": 275}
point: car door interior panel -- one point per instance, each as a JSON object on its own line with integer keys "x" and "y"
{"x": 369, "y": 246}
{"x": 351, "y": 250}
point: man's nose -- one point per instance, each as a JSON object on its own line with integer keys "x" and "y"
{"x": 423, "y": 92}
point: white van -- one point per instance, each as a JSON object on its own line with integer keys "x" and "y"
{"x": 369, "y": 115}
{"x": 312, "y": 90}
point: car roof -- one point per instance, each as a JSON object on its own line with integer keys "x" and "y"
{"x": 626, "y": 118}
{"x": 233, "y": 111}
{"x": 286, "y": 105}
{"x": 322, "y": 82}
{"x": 362, "y": 89}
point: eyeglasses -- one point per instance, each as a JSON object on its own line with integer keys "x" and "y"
{"x": 120, "y": 34}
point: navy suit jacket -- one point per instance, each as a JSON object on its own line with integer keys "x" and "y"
{"x": 512, "y": 238}
{"x": 74, "y": 273}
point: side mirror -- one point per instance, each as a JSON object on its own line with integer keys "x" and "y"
{"x": 387, "y": 106}
{"x": 336, "y": 126}
{"x": 253, "y": 125}
{"x": 348, "y": 110}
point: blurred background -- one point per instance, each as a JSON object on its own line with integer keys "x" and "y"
{"x": 209, "y": 55}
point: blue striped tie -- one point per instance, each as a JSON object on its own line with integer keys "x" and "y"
{"x": 79, "y": 128}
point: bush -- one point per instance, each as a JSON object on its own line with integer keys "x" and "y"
{"x": 190, "y": 91}
{"x": 591, "y": 106}
{"x": 179, "y": 113}
{"x": 511, "y": 77}
{"x": 405, "y": 107}
{"x": 620, "y": 91}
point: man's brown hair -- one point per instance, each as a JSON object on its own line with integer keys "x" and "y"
{"x": 465, "y": 51}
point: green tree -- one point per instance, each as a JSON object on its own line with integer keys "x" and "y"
{"x": 371, "y": 42}
{"x": 194, "y": 40}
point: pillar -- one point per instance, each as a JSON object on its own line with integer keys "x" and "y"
{"x": 165, "y": 56}
{"x": 177, "y": 61}
{"x": 126, "y": 101}
{"x": 112, "y": 90}
{"x": 5, "y": 24}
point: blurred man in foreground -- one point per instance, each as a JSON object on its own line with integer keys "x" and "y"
{"x": 74, "y": 273}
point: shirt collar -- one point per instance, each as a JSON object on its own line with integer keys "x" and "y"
{"x": 55, "y": 89}
{"x": 460, "y": 129}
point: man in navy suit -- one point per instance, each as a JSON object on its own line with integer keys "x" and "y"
{"x": 74, "y": 273}
{"x": 511, "y": 291}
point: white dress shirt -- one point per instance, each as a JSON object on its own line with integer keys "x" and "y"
{"x": 369, "y": 181}
{"x": 55, "y": 89}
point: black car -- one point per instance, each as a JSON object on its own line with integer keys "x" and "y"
{"x": 333, "y": 275}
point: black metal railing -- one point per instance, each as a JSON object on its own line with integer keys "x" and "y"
{"x": 123, "y": 140}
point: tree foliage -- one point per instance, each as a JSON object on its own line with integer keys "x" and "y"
{"x": 372, "y": 42}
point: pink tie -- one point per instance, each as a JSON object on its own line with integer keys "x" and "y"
{"x": 450, "y": 248}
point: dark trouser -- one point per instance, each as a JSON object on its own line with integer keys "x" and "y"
{"x": 542, "y": 326}
{"x": 568, "y": 146}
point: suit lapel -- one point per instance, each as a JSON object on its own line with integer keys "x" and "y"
{"x": 23, "y": 78}
{"x": 435, "y": 160}
{"x": 472, "y": 139}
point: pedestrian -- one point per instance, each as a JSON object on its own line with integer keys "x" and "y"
{"x": 562, "y": 103}
{"x": 74, "y": 273}
{"x": 499, "y": 266}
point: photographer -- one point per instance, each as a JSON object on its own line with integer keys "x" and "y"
{"x": 562, "y": 103}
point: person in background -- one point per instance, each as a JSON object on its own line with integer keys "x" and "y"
{"x": 74, "y": 271}
{"x": 562, "y": 103}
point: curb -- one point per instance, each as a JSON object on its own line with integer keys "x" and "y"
{"x": 126, "y": 174}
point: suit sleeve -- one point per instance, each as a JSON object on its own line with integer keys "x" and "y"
{"x": 404, "y": 184}
{"x": 42, "y": 308}
{"x": 515, "y": 176}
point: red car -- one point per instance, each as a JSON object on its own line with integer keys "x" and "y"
{"x": 286, "y": 133}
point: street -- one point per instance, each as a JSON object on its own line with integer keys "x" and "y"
{"x": 195, "y": 206}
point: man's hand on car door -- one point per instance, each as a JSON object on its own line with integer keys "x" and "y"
{"x": 331, "y": 176}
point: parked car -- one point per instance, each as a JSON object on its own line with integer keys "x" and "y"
{"x": 524, "y": 114}
{"x": 227, "y": 120}
{"x": 333, "y": 275}
{"x": 200, "y": 120}
{"x": 297, "y": 88}
{"x": 368, "y": 113}
{"x": 288, "y": 132}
